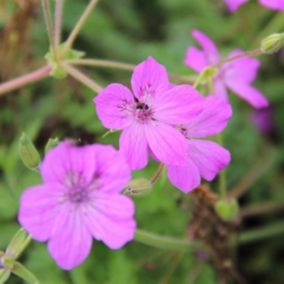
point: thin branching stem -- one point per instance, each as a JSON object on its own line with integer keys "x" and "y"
{"x": 24, "y": 80}
{"x": 58, "y": 22}
{"x": 79, "y": 25}
{"x": 84, "y": 79}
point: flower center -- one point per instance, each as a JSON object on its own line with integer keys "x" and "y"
{"x": 78, "y": 190}
{"x": 78, "y": 195}
{"x": 142, "y": 112}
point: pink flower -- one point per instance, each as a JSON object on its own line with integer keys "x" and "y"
{"x": 234, "y": 5}
{"x": 236, "y": 75}
{"x": 273, "y": 4}
{"x": 79, "y": 200}
{"x": 148, "y": 114}
{"x": 204, "y": 158}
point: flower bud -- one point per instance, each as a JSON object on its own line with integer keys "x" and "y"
{"x": 28, "y": 152}
{"x": 272, "y": 43}
{"x": 227, "y": 210}
{"x": 51, "y": 143}
{"x": 18, "y": 243}
{"x": 138, "y": 187}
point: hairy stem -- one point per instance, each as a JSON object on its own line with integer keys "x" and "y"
{"x": 157, "y": 174}
{"x": 58, "y": 22}
{"x": 166, "y": 242}
{"x": 262, "y": 208}
{"x": 124, "y": 66}
{"x": 78, "y": 75}
{"x": 79, "y": 25}
{"x": 254, "y": 174}
{"x": 251, "y": 53}
{"x": 24, "y": 80}
{"x": 172, "y": 243}
{"x": 48, "y": 22}
{"x": 262, "y": 233}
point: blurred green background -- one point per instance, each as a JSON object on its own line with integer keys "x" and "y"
{"x": 129, "y": 31}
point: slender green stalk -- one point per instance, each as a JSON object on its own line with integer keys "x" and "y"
{"x": 48, "y": 22}
{"x": 58, "y": 22}
{"x": 263, "y": 233}
{"x": 262, "y": 208}
{"x": 251, "y": 53}
{"x": 222, "y": 175}
{"x": 78, "y": 75}
{"x": 157, "y": 174}
{"x": 24, "y": 80}
{"x": 79, "y": 25}
{"x": 171, "y": 243}
{"x": 102, "y": 63}
{"x": 253, "y": 174}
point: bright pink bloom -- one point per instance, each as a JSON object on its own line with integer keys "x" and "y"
{"x": 79, "y": 200}
{"x": 273, "y": 4}
{"x": 236, "y": 75}
{"x": 148, "y": 114}
{"x": 234, "y": 5}
{"x": 204, "y": 158}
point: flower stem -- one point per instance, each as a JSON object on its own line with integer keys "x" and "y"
{"x": 102, "y": 63}
{"x": 262, "y": 233}
{"x": 48, "y": 22}
{"x": 164, "y": 242}
{"x": 79, "y": 25}
{"x": 250, "y": 53}
{"x": 157, "y": 174}
{"x": 58, "y": 22}
{"x": 124, "y": 66}
{"x": 262, "y": 208}
{"x": 172, "y": 243}
{"x": 24, "y": 80}
{"x": 256, "y": 172}
{"x": 78, "y": 75}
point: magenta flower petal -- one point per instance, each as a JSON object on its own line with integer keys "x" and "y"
{"x": 178, "y": 105}
{"x": 167, "y": 143}
{"x": 39, "y": 209}
{"x": 234, "y": 5}
{"x": 72, "y": 243}
{"x": 186, "y": 177}
{"x": 112, "y": 170}
{"x": 158, "y": 106}
{"x": 273, "y": 4}
{"x": 87, "y": 187}
{"x": 110, "y": 220}
{"x": 242, "y": 70}
{"x": 80, "y": 161}
{"x": 149, "y": 78}
{"x": 113, "y": 104}
{"x": 133, "y": 145}
{"x": 207, "y": 45}
{"x": 212, "y": 120}
{"x": 249, "y": 93}
{"x": 220, "y": 89}
{"x": 196, "y": 59}
{"x": 209, "y": 157}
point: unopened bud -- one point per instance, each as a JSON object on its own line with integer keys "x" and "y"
{"x": 227, "y": 210}
{"x": 28, "y": 152}
{"x": 18, "y": 243}
{"x": 272, "y": 43}
{"x": 51, "y": 143}
{"x": 138, "y": 186}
